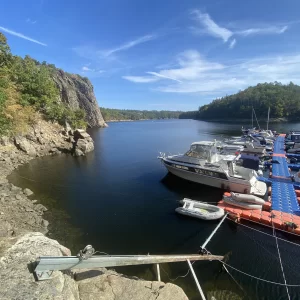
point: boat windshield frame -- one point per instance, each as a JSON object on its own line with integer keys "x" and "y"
{"x": 201, "y": 151}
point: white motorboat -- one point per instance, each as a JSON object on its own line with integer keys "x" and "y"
{"x": 203, "y": 164}
{"x": 257, "y": 143}
{"x": 200, "y": 210}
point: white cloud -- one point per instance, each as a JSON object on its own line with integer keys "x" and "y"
{"x": 264, "y": 30}
{"x": 87, "y": 69}
{"x": 211, "y": 27}
{"x": 190, "y": 65}
{"x": 198, "y": 75}
{"x": 22, "y": 36}
{"x": 31, "y": 21}
{"x": 232, "y": 44}
{"x": 162, "y": 76}
{"x": 130, "y": 44}
{"x": 84, "y": 68}
{"x": 141, "y": 79}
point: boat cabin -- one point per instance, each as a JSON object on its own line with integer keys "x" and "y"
{"x": 205, "y": 150}
{"x": 293, "y": 136}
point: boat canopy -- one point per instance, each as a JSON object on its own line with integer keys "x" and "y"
{"x": 248, "y": 161}
{"x": 204, "y": 150}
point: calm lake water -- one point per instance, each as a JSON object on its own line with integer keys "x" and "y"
{"x": 121, "y": 200}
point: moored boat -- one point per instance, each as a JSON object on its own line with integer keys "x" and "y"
{"x": 243, "y": 200}
{"x": 200, "y": 210}
{"x": 203, "y": 164}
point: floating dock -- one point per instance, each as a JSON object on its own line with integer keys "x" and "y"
{"x": 282, "y": 209}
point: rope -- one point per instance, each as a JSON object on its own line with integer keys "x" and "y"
{"x": 271, "y": 227}
{"x": 180, "y": 276}
{"x": 227, "y": 271}
{"x": 258, "y": 278}
{"x": 265, "y": 232}
{"x": 281, "y": 266}
{"x": 252, "y": 276}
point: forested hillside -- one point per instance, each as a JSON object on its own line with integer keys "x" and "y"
{"x": 28, "y": 92}
{"x": 284, "y": 101}
{"x": 110, "y": 114}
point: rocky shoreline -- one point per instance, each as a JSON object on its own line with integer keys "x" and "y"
{"x": 23, "y": 229}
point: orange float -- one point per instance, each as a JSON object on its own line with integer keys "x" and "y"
{"x": 267, "y": 206}
{"x": 246, "y": 214}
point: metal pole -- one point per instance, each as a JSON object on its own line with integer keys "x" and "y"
{"x": 196, "y": 280}
{"x": 47, "y": 264}
{"x": 212, "y": 234}
{"x": 256, "y": 118}
{"x": 157, "y": 272}
{"x": 268, "y": 118}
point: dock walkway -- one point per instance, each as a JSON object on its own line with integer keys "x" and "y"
{"x": 283, "y": 195}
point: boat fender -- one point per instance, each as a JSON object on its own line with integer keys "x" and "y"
{"x": 269, "y": 190}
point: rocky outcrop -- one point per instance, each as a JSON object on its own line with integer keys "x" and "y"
{"x": 18, "y": 283}
{"x": 77, "y": 92}
{"x": 109, "y": 285}
{"x": 83, "y": 143}
{"x": 45, "y": 138}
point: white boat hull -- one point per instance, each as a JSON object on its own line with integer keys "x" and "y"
{"x": 235, "y": 185}
{"x": 243, "y": 205}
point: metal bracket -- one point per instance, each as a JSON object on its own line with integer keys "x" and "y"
{"x": 43, "y": 275}
{"x": 86, "y": 253}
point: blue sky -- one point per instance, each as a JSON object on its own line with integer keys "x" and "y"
{"x": 170, "y": 54}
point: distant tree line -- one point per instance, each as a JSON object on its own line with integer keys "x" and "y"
{"x": 110, "y": 114}
{"x": 283, "y": 100}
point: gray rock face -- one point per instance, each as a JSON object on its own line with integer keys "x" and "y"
{"x": 83, "y": 142}
{"x": 18, "y": 283}
{"x": 78, "y": 92}
{"x": 28, "y": 192}
{"x": 109, "y": 285}
{"x": 23, "y": 144}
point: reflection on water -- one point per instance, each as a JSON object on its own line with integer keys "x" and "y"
{"x": 121, "y": 200}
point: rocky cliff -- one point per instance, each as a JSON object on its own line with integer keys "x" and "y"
{"x": 78, "y": 92}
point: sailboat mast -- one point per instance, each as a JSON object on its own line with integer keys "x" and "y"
{"x": 268, "y": 118}
{"x": 252, "y": 116}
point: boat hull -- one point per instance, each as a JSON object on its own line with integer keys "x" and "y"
{"x": 225, "y": 184}
{"x": 244, "y": 205}
{"x": 199, "y": 210}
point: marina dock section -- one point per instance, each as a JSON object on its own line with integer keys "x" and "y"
{"x": 282, "y": 210}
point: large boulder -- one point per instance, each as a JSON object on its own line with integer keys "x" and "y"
{"x": 109, "y": 285}
{"x": 23, "y": 144}
{"x": 83, "y": 142}
{"x": 18, "y": 283}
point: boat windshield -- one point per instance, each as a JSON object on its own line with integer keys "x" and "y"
{"x": 201, "y": 151}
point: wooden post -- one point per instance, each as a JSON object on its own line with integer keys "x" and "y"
{"x": 196, "y": 280}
